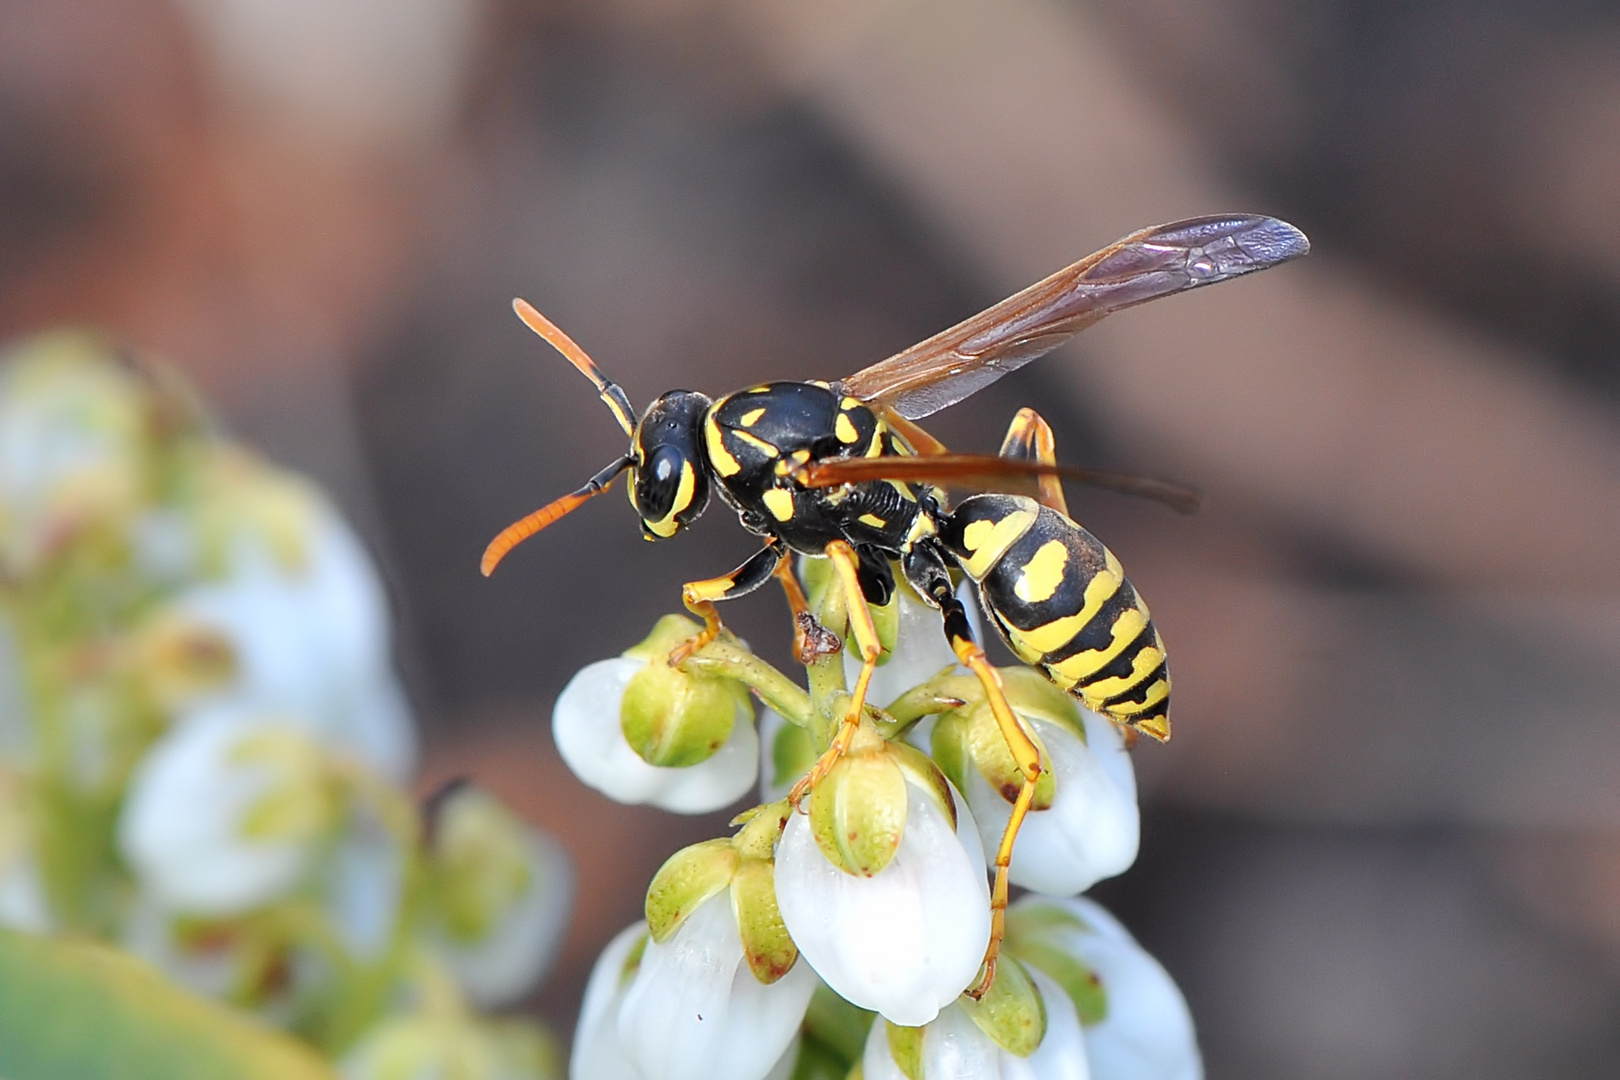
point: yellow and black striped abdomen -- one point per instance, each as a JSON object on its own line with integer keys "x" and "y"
{"x": 1063, "y": 604}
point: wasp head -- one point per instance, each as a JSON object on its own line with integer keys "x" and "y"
{"x": 669, "y": 478}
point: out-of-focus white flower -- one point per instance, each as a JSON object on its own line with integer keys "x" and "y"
{"x": 695, "y": 1011}
{"x": 361, "y": 883}
{"x": 73, "y": 433}
{"x": 23, "y": 905}
{"x": 310, "y": 637}
{"x": 503, "y": 891}
{"x": 451, "y": 1047}
{"x": 16, "y": 726}
{"x": 590, "y": 736}
{"x": 209, "y": 964}
{"x": 1146, "y": 1030}
{"x": 953, "y": 1047}
{"x": 227, "y": 812}
{"x": 1092, "y": 828}
{"x": 906, "y": 941}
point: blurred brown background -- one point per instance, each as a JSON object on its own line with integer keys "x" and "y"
{"x": 1386, "y": 839}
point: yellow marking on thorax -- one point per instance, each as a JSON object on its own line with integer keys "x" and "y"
{"x": 988, "y": 541}
{"x": 1043, "y": 573}
{"x": 922, "y": 525}
{"x": 850, "y": 402}
{"x": 845, "y": 429}
{"x": 751, "y": 417}
{"x": 872, "y": 520}
{"x": 714, "y": 442}
{"x": 1031, "y": 645}
{"x": 1083, "y": 665}
{"x": 779, "y": 501}
{"x": 757, "y": 443}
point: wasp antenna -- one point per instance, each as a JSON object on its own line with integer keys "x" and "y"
{"x": 613, "y": 396}
{"x": 520, "y": 530}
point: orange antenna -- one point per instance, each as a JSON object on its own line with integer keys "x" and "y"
{"x": 519, "y": 531}
{"x": 612, "y": 395}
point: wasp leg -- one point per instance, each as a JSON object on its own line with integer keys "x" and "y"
{"x": 809, "y": 639}
{"x": 848, "y": 566}
{"x": 700, "y": 597}
{"x": 1029, "y": 438}
{"x": 927, "y": 573}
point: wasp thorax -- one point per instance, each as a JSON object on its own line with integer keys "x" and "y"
{"x": 670, "y": 485}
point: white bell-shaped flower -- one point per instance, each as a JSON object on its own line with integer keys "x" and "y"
{"x": 227, "y": 812}
{"x": 1091, "y": 830}
{"x": 695, "y": 1011}
{"x": 953, "y": 1047}
{"x": 310, "y": 638}
{"x": 590, "y": 737}
{"x": 906, "y": 941}
{"x": 1146, "y": 1031}
{"x": 609, "y": 1042}
{"x": 598, "y": 1054}
{"x": 503, "y": 894}
{"x": 920, "y": 651}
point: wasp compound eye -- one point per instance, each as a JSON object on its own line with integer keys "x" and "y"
{"x": 658, "y": 482}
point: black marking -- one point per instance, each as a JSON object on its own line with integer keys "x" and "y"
{"x": 1120, "y": 666}
{"x": 1138, "y": 693}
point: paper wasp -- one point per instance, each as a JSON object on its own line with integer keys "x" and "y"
{"x": 840, "y": 470}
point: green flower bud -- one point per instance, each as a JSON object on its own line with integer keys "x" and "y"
{"x": 672, "y": 718}
{"x": 971, "y": 735}
{"x": 905, "y": 1047}
{"x": 818, "y": 576}
{"x": 858, "y": 810}
{"x": 1012, "y": 1012}
{"x": 687, "y": 878}
{"x": 768, "y": 949}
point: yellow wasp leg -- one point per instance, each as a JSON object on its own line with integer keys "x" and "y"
{"x": 1029, "y": 438}
{"x": 699, "y": 597}
{"x": 847, "y": 564}
{"x": 804, "y": 650}
{"x": 1028, "y": 757}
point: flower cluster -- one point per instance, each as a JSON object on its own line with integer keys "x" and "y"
{"x": 838, "y": 938}
{"x": 203, "y": 747}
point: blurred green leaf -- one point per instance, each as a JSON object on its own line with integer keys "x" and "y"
{"x": 75, "y": 1010}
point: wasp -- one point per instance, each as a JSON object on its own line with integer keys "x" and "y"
{"x": 842, "y": 471}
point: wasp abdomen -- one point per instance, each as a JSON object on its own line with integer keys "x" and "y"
{"x": 1062, "y": 603}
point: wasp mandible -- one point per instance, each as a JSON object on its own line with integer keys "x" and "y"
{"x": 841, "y": 471}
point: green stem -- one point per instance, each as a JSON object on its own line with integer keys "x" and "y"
{"x": 727, "y": 658}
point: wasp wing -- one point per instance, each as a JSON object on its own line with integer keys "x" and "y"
{"x": 1159, "y": 261}
{"x": 984, "y": 472}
